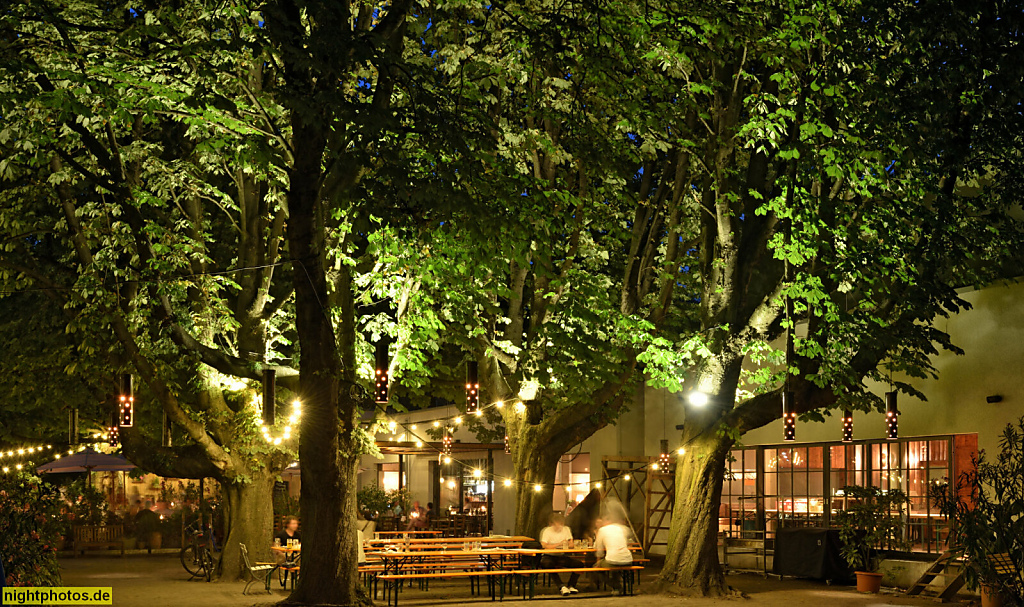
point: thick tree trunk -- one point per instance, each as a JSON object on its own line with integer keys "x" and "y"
{"x": 691, "y": 563}
{"x": 534, "y": 465}
{"x": 248, "y": 516}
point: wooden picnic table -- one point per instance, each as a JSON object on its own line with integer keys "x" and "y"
{"x": 513, "y": 539}
{"x": 412, "y": 531}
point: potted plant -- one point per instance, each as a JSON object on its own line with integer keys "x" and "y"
{"x": 870, "y": 525}
{"x": 986, "y": 510}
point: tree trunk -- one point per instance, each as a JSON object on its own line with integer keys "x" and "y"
{"x": 248, "y": 514}
{"x": 691, "y": 563}
{"x": 533, "y": 466}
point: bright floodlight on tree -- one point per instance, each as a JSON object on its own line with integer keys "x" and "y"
{"x": 788, "y": 416}
{"x": 472, "y": 387}
{"x": 847, "y": 426}
{"x": 380, "y": 385}
{"x": 269, "y": 397}
{"x": 664, "y": 459}
{"x": 892, "y": 413}
{"x": 126, "y": 402}
{"x": 699, "y": 399}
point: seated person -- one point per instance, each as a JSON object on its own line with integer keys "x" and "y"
{"x": 418, "y": 520}
{"x": 290, "y": 531}
{"x": 553, "y": 536}
{"x": 611, "y": 546}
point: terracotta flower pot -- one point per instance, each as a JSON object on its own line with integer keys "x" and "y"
{"x": 868, "y": 582}
{"x": 990, "y": 596}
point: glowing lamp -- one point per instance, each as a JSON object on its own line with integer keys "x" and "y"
{"x": 380, "y": 386}
{"x": 788, "y": 416}
{"x": 847, "y": 426}
{"x": 664, "y": 459}
{"x": 126, "y": 402}
{"x": 892, "y": 413}
{"x": 472, "y": 387}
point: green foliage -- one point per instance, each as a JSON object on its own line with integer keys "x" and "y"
{"x": 31, "y": 523}
{"x": 985, "y": 507}
{"x": 88, "y": 504}
{"x": 872, "y": 521}
{"x": 372, "y": 499}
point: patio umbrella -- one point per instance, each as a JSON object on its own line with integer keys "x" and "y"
{"x": 87, "y": 460}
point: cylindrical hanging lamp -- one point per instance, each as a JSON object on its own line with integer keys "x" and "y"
{"x": 73, "y": 427}
{"x": 891, "y": 416}
{"x": 126, "y": 402}
{"x": 269, "y": 397}
{"x": 847, "y": 426}
{"x": 508, "y": 445}
{"x": 165, "y": 431}
{"x": 446, "y": 444}
{"x": 472, "y": 387}
{"x": 788, "y": 416}
{"x": 664, "y": 459}
{"x": 380, "y": 386}
{"x": 113, "y": 432}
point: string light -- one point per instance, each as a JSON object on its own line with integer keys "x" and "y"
{"x": 507, "y": 482}
{"x": 538, "y": 488}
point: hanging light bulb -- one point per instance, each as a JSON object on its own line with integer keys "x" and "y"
{"x": 380, "y": 386}
{"x": 477, "y": 473}
{"x": 499, "y": 404}
{"x": 472, "y": 387}
{"x": 788, "y": 416}
{"x": 269, "y": 396}
{"x": 664, "y": 459}
{"x": 847, "y": 426}
{"x": 126, "y": 404}
{"x": 891, "y": 415}
{"x": 507, "y": 482}
{"x": 537, "y": 488}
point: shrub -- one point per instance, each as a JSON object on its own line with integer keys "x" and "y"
{"x": 873, "y": 519}
{"x": 31, "y": 524}
{"x": 986, "y": 507}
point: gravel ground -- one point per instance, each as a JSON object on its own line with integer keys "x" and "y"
{"x": 159, "y": 580}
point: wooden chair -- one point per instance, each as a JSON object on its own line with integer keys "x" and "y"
{"x": 259, "y": 572}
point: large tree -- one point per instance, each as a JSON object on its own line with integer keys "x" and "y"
{"x": 858, "y": 162}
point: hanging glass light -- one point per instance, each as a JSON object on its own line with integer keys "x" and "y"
{"x": 472, "y": 387}
{"x": 380, "y": 386}
{"x": 126, "y": 404}
{"x": 788, "y": 416}
{"x": 664, "y": 459}
{"x": 891, "y": 416}
{"x": 847, "y": 426}
{"x": 73, "y": 427}
{"x": 269, "y": 397}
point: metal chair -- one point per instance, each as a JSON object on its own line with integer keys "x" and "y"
{"x": 260, "y": 572}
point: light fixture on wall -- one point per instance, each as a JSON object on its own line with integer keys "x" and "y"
{"x": 892, "y": 413}
{"x": 472, "y": 386}
{"x": 847, "y": 426}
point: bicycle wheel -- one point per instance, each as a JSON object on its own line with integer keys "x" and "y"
{"x": 191, "y": 561}
{"x": 207, "y": 562}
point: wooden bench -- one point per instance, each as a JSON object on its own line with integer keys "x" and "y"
{"x": 393, "y": 582}
{"x": 628, "y": 574}
{"x": 97, "y": 536}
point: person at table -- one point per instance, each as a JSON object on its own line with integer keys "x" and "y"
{"x": 552, "y": 537}
{"x": 611, "y": 546}
{"x": 418, "y": 520}
{"x": 289, "y": 531}
{"x": 431, "y": 513}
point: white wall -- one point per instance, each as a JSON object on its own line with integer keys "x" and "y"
{"x": 992, "y": 337}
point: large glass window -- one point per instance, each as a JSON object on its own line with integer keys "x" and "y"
{"x": 773, "y": 486}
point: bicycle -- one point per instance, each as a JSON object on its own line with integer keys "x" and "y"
{"x": 197, "y": 556}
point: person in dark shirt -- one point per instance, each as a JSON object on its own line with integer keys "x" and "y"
{"x": 290, "y": 531}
